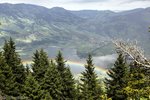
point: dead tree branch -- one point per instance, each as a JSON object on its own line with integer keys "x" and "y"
{"x": 133, "y": 51}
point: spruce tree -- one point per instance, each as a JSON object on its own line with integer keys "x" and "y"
{"x": 60, "y": 62}
{"x": 32, "y": 90}
{"x": 52, "y": 82}
{"x": 13, "y": 60}
{"x": 117, "y": 79}
{"x": 40, "y": 65}
{"x": 7, "y": 84}
{"x": 90, "y": 87}
{"x": 138, "y": 83}
{"x": 68, "y": 84}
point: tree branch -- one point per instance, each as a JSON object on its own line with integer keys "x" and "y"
{"x": 133, "y": 51}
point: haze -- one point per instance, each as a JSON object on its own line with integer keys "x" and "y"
{"x": 115, "y": 5}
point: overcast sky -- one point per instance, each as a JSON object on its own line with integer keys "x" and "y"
{"x": 115, "y": 5}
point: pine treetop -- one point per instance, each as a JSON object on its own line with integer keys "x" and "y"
{"x": 117, "y": 78}
{"x": 89, "y": 82}
{"x": 40, "y": 64}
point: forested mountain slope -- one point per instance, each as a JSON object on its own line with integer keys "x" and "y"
{"x": 84, "y": 31}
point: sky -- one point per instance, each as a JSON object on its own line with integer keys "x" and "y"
{"x": 115, "y": 5}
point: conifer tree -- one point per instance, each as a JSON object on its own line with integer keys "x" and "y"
{"x": 32, "y": 90}
{"x": 138, "y": 83}
{"x": 90, "y": 88}
{"x": 52, "y": 82}
{"x": 60, "y": 62}
{"x": 68, "y": 84}
{"x": 7, "y": 84}
{"x": 118, "y": 79}
{"x": 27, "y": 70}
{"x": 78, "y": 90}
{"x": 40, "y": 65}
{"x": 13, "y": 60}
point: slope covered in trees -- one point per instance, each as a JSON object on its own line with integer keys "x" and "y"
{"x": 34, "y": 27}
{"x": 44, "y": 79}
{"x": 52, "y": 80}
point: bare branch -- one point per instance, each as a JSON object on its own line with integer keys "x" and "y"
{"x": 133, "y": 51}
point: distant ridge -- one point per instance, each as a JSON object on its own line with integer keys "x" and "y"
{"x": 36, "y": 27}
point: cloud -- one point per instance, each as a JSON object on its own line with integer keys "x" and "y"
{"x": 114, "y": 5}
{"x": 134, "y": 1}
{"x": 87, "y": 1}
{"x": 139, "y": 0}
{"x": 104, "y": 61}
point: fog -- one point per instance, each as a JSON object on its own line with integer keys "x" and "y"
{"x": 105, "y": 61}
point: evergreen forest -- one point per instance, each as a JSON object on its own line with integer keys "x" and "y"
{"x": 52, "y": 79}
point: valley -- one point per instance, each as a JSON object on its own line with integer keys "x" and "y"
{"x": 79, "y": 32}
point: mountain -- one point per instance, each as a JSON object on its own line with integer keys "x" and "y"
{"x": 74, "y": 32}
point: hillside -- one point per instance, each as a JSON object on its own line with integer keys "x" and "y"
{"x": 78, "y": 32}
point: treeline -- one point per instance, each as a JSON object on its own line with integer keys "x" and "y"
{"x": 48, "y": 79}
{"x": 44, "y": 79}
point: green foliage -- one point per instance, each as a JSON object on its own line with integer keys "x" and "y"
{"x": 118, "y": 79}
{"x": 68, "y": 84}
{"x": 7, "y": 82}
{"x": 27, "y": 70}
{"x": 40, "y": 65}
{"x": 60, "y": 63}
{"x": 90, "y": 88}
{"x": 47, "y": 96}
{"x": 32, "y": 89}
{"x": 138, "y": 82}
{"x": 13, "y": 60}
{"x": 52, "y": 82}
